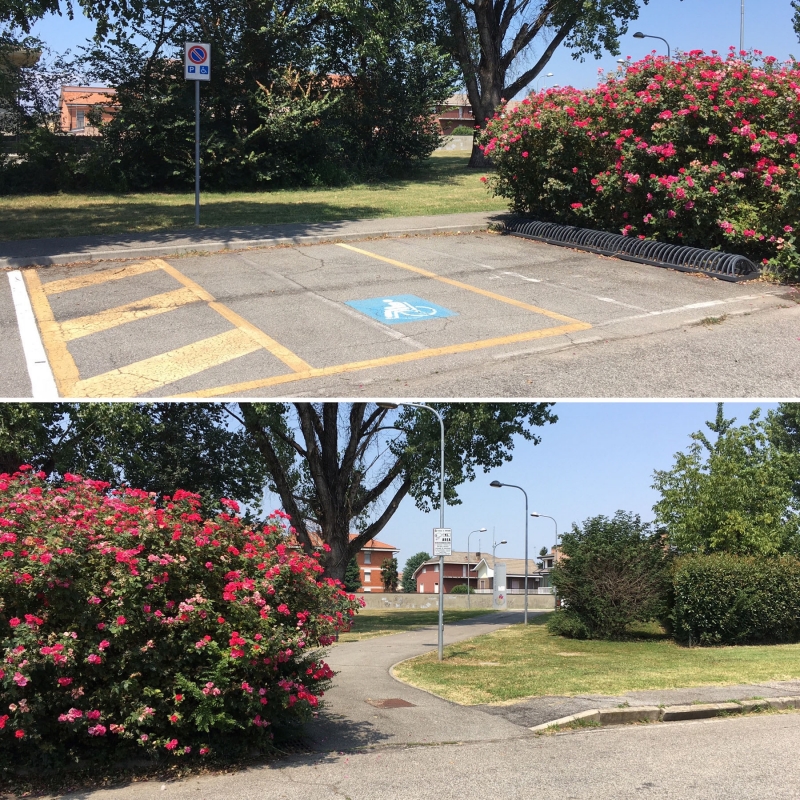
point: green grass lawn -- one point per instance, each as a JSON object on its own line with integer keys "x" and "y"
{"x": 380, "y": 622}
{"x": 444, "y": 185}
{"x": 519, "y": 662}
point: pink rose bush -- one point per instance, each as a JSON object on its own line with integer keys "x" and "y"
{"x": 701, "y": 151}
{"x": 115, "y": 635}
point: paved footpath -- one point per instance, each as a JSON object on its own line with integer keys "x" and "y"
{"x": 69, "y": 249}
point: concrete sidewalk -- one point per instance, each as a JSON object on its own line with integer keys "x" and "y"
{"x": 66, "y": 250}
{"x": 357, "y": 716}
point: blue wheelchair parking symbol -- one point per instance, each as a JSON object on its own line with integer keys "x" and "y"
{"x": 203, "y": 70}
{"x": 400, "y": 308}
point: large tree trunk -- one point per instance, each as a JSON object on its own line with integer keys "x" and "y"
{"x": 477, "y": 159}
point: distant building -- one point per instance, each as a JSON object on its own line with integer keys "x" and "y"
{"x": 369, "y": 559}
{"x": 75, "y": 104}
{"x": 480, "y": 570}
{"x": 455, "y": 111}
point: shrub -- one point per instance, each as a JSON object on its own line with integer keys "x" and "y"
{"x": 462, "y": 588}
{"x": 699, "y": 151}
{"x": 567, "y": 623}
{"x": 728, "y": 599}
{"x": 128, "y": 625}
{"x": 615, "y": 572}
{"x": 462, "y": 130}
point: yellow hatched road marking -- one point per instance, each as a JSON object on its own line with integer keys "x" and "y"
{"x": 426, "y": 273}
{"x": 65, "y": 371}
{"x": 280, "y": 352}
{"x": 183, "y": 362}
{"x": 94, "y": 278}
{"x": 404, "y": 358}
{"x": 130, "y": 312}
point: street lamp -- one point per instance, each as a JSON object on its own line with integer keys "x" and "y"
{"x": 441, "y": 511}
{"x": 546, "y": 516}
{"x": 480, "y": 530}
{"x": 495, "y": 545}
{"x": 497, "y": 485}
{"x": 640, "y": 35}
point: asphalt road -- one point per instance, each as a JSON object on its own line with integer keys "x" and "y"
{"x": 471, "y": 315}
{"x": 751, "y": 757}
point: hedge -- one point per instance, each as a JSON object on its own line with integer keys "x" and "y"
{"x": 727, "y": 599}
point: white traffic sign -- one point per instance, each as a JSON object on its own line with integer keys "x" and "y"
{"x": 442, "y": 541}
{"x": 197, "y": 61}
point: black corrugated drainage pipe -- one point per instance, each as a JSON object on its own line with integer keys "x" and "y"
{"x": 726, "y": 266}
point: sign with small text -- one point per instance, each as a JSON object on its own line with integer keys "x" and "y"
{"x": 197, "y": 61}
{"x": 442, "y": 541}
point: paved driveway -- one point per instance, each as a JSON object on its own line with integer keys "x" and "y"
{"x": 461, "y": 315}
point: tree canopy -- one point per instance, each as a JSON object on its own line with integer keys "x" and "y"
{"x": 158, "y": 447}
{"x": 733, "y": 492}
{"x": 342, "y": 468}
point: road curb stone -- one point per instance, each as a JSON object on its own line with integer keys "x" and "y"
{"x": 633, "y": 714}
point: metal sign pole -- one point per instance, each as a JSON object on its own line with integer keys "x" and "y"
{"x": 197, "y": 152}
{"x": 197, "y": 67}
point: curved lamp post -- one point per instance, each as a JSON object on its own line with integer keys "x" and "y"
{"x": 480, "y": 530}
{"x": 497, "y": 485}
{"x": 640, "y": 35}
{"x": 441, "y": 511}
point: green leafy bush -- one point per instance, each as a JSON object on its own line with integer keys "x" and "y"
{"x": 729, "y": 599}
{"x": 462, "y": 588}
{"x": 614, "y": 572}
{"x": 699, "y": 150}
{"x": 127, "y": 625}
{"x": 567, "y": 623}
{"x": 462, "y": 130}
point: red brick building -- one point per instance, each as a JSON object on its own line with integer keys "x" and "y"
{"x": 456, "y": 568}
{"x": 369, "y": 558}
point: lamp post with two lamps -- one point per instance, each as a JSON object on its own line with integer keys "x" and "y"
{"x": 479, "y": 530}
{"x": 497, "y": 485}
{"x": 441, "y": 510}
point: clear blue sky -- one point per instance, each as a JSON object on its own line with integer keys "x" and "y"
{"x": 598, "y": 458}
{"x": 686, "y": 25}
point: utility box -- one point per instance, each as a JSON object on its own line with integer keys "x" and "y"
{"x": 499, "y": 602}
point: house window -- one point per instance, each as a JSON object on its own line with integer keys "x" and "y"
{"x": 367, "y": 557}
{"x": 80, "y": 119}
{"x": 367, "y": 576}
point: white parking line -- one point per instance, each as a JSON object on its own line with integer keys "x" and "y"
{"x": 43, "y": 385}
{"x": 522, "y": 277}
{"x": 689, "y": 307}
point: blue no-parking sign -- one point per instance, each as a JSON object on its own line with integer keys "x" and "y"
{"x": 400, "y": 308}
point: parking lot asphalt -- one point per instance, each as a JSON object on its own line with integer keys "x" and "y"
{"x": 457, "y": 315}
